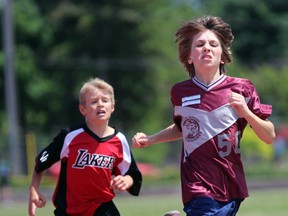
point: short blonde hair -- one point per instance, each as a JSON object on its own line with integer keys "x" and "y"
{"x": 95, "y": 83}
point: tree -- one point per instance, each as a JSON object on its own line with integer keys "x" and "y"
{"x": 60, "y": 44}
{"x": 130, "y": 44}
{"x": 259, "y": 27}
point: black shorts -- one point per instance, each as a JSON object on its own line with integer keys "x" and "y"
{"x": 107, "y": 209}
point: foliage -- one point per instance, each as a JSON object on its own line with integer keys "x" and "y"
{"x": 259, "y": 28}
{"x": 253, "y": 147}
{"x": 271, "y": 88}
{"x": 270, "y": 83}
{"x": 131, "y": 44}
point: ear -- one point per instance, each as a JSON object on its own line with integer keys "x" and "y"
{"x": 82, "y": 109}
{"x": 113, "y": 108}
{"x": 190, "y": 60}
{"x": 222, "y": 62}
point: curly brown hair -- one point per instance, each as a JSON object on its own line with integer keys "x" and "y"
{"x": 186, "y": 33}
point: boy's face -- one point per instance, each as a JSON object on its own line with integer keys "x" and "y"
{"x": 98, "y": 106}
{"x": 206, "y": 50}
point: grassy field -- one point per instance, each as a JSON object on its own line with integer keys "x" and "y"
{"x": 266, "y": 202}
{"x": 260, "y": 203}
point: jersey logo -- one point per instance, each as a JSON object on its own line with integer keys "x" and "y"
{"x": 44, "y": 156}
{"x": 93, "y": 160}
{"x": 193, "y": 128}
{"x": 190, "y": 100}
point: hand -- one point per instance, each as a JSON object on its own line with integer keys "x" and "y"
{"x": 140, "y": 140}
{"x": 238, "y": 103}
{"x": 36, "y": 200}
{"x": 121, "y": 183}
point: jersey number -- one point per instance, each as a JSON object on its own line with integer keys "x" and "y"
{"x": 226, "y": 146}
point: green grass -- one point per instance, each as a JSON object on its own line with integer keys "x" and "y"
{"x": 266, "y": 202}
{"x": 260, "y": 203}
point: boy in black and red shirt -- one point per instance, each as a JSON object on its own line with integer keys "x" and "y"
{"x": 95, "y": 160}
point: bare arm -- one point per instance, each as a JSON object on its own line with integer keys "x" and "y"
{"x": 36, "y": 199}
{"x": 264, "y": 129}
{"x": 171, "y": 133}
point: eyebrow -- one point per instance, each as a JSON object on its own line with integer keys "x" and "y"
{"x": 202, "y": 40}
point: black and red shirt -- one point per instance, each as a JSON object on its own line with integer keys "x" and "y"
{"x": 88, "y": 163}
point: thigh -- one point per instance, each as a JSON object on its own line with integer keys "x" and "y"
{"x": 107, "y": 209}
{"x": 206, "y": 206}
{"x": 229, "y": 208}
{"x": 201, "y": 206}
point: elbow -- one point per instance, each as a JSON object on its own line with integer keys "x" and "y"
{"x": 270, "y": 139}
{"x": 269, "y": 142}
{"x": 270, "y": 134}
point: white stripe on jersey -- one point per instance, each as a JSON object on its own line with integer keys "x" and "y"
{"x": 67, "y": 141}
{"x": 190, "y": 100}
{"x": 125, "y": 164}
{"x": 203, "y": 125}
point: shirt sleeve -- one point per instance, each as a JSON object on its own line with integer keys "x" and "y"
{"x": 176, "y": 119}
{"x": 128, "y": 166}
{"x": 136, "y": 175}
{"x": 263, "y": 111}
{"x": 50, "y": 154}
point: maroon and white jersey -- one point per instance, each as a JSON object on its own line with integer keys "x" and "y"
{"x": 211, "y": 130}
{"x": 87, "y": 165}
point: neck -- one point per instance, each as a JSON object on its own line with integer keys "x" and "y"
{"x": 101, "y": 130}
{"x": 208, "y": 77}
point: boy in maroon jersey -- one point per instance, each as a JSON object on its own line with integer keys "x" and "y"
{"x": 95, "y": 160}
{"x": 211, "y": 111}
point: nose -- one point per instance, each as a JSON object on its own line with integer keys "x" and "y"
{"x": 207, "y": 48}
{"x": 100, "y": 103}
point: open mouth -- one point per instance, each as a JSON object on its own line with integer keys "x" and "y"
{"x": 206, "y": 57}
{"x": 101, "y": 112}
